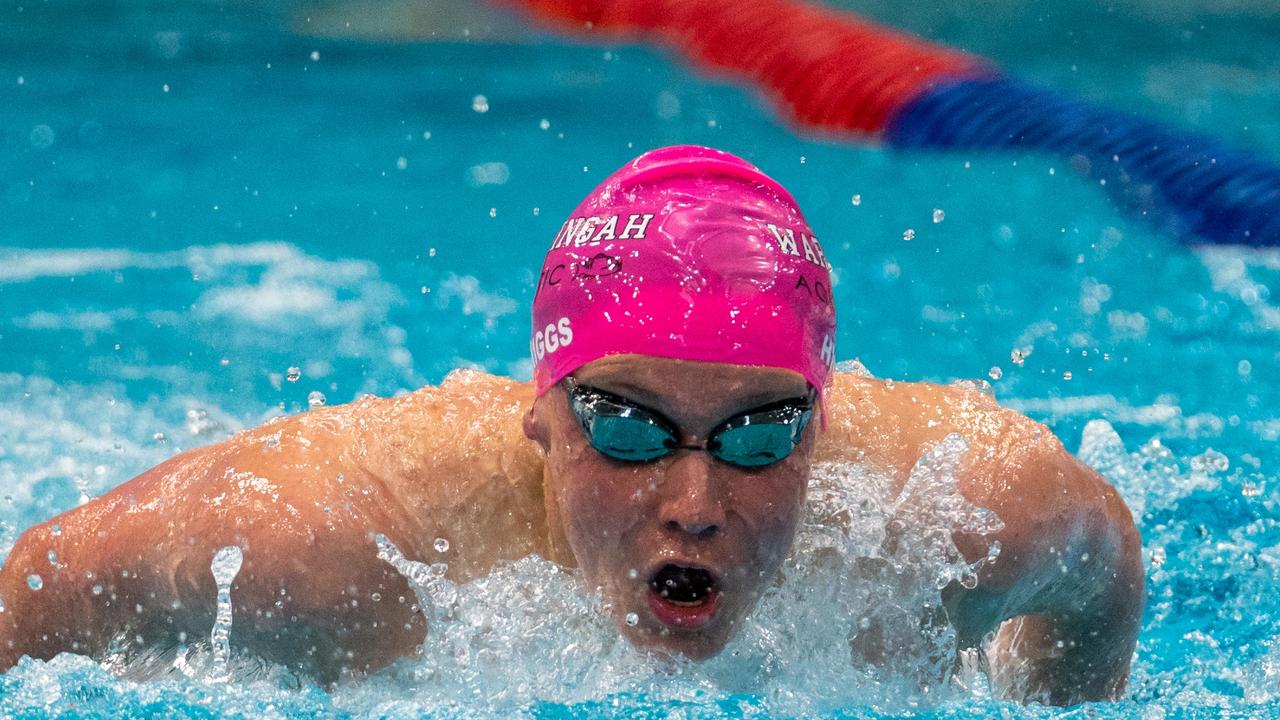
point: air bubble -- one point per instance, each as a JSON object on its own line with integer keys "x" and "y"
{"x": 316, "y": 399}
{"x": 938, "y": 215}
{"x": 909, "y": 234}
{"x": 545, "y": 124}
{"x": 35, "y": 582}
{"x": 995, "y": 373}
{"x": 293, "y": 374}
{"x": 1018, "y": 357}
{"x": 441, "y": 545}
{"x": 1066, "y": 375}
{"x": 41, "y": 137}
{"x": 480, "y": 104}
{"x": 315, "y": 56}
{"x": 96, "y": 590}
{"x": 632, "y": 619}
{"x": 53, "y": 558}
{"x": 856, "y": 199}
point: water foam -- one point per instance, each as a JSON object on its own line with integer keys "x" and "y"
{"x": 856, "y": 616}
{"x": 227, "y": 302}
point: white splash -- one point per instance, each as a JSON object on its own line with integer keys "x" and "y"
{"x": 225, "y": 566}
{"x": 855, "y": 616}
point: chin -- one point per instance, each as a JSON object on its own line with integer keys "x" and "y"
{"x": 694, "y": 644}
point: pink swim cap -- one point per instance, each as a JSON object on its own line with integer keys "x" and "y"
{"x": 685, "y": 252}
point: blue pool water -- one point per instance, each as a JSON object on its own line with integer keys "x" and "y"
{"x": 196, "y": 198}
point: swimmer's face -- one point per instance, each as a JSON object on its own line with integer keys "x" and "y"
{"x": 680, "y": 547}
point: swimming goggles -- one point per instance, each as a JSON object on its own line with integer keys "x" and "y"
{"x": 623, "y": 430}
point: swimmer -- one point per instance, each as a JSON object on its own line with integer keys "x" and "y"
{"x": 683, "y": 389}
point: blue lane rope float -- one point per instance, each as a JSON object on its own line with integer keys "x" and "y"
{"x": 1218, "y": 193}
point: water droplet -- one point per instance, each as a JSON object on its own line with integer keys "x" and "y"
{"x": 938, "y": 215}
{"x": 441, "y": 545}
{"x": 1066, "y": 375}
{"x": 226, "y": 564}
{"x": 480, "y": 104}
{"x": 293, "y": 374}
{"x": 35, "y": 582}
{"x": 995, "y": 373}
{"x": 632, "y": 619}
{"x": 857, "y": 200}
{"x": 545, "y": 124}
{"x": 909, "y": 234}
{"x": 315, "y": 398}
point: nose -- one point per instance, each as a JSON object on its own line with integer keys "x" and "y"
{"x": 690, "y": 503}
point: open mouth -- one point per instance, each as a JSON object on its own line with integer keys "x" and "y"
{"x": 683, "y": 597}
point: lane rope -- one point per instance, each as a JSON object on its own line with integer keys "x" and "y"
{"x": 833, "y": 72}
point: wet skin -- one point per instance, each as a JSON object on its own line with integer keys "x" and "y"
{"x": 480, "y": 462}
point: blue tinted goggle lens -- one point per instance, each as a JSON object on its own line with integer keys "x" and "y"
{"x": 622, "y": 430}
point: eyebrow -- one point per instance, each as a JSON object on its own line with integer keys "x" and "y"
{"x": 645, "y": 396}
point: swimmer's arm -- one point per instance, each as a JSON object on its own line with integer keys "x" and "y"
{"x": 132, "y": 567}
{"x": 1068, "y": 577}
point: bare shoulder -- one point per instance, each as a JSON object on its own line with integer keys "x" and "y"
{"x": 891, "y": 424}
{"x": 1014, "y": 465}
{"x": 303, "y": 497}
{"x": 466, "y": 427}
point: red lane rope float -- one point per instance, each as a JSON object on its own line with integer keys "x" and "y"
{"x": 827, "y": 70}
